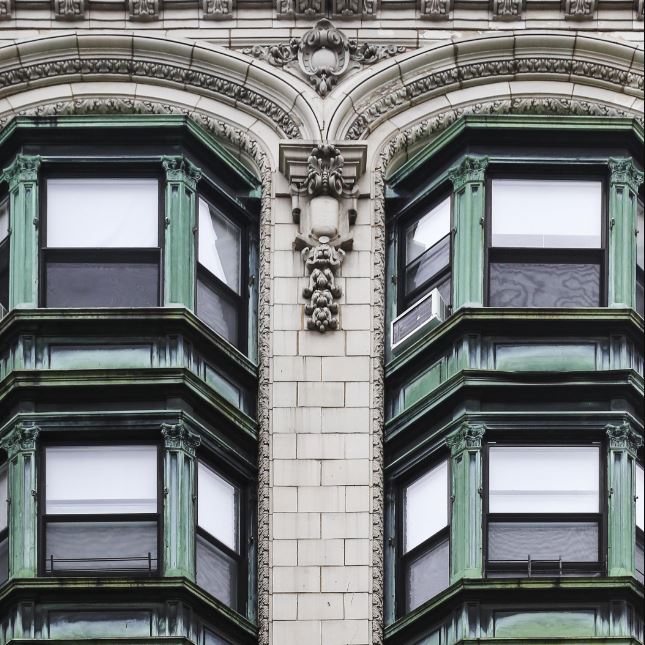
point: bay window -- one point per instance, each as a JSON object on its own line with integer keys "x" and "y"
{"x": 220, "y": 276}
{"x": 425, "y": 552}
{"x": 544, "y": 510}
{"x": 101, "y": 510}
{"x": 101, "y": 242}
{"x": 219, "y": 562}
{"x": 4, "y": 256}
{"x": 546, "y": 243}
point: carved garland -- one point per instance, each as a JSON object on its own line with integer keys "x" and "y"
{"x": 374, "y": 110}
{"x": 401, "y": 141}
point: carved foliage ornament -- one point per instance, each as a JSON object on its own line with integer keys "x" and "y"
{"x": 623, "y": 437}
{"x": 623, "y": 171}
{"x": 340, "y": 8}
{"x": 468, "y": 437}
{"x": 21, "y": 439}
{"x": 435, "y": 9}
{"x": 143, "y": 10}
{"x": 507, "y": 9}
{"x": 214, "y": 9}
{"x": 5, "y": 9}
{"x": 323, "y": 55}
{"x": 69, "y": 9}
{"x": 579, "y": 8}
{"x": 177, "y": 437}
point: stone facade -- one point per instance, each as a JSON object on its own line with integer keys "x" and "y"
{"x": 321, "y": 102}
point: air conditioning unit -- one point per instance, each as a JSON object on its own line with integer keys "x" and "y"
{"x": 424, "y": 314}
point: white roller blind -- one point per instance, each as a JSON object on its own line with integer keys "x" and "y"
{"x": 543, "y": 479}
{"x": 101, "y": 479}
{"x": 546, "y": 213}
{"x": 640, "y": 501}
{"x": 3, "y": 497}
{"x": 102, "y": 213}
{"x": 426, "y": 506}
{"x": 217, "y": 506}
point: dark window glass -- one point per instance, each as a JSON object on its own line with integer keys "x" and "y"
{"x": 102, "y": 284}
{"x": 101, "y": 546}
{"x": 218, "y": 312}
{"x": 4, "y": 559}
{"x": 544, "y": 285}
{"x": 427, "y": 575}
{"x": 216, "y": 572}
{"x": 4, "y": 277}
{"x": 434, "y": 260}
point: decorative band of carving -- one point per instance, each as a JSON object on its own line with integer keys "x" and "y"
{"x": 376, "y": 110}
{"x": 21, "y": 439}
{"x": 147, "y": 69}
{"x": 623, "y": 437}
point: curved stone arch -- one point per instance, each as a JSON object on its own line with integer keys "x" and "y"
{"x": 389, "y": 151}
{"x": 238, "y": 83}
{"x": 256, "y": 152}
{"x": 588, "y": 65}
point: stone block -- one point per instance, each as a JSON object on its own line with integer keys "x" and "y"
{"x": 293, "y": 526}
{"x": 321, "y": 552}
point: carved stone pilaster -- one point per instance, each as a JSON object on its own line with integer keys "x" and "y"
{"x": 5, "y": 9}
{"x": 579, "y": 9}
{"x": 623, "y": 437}
{"x": 177, "y": 437}
{"x": 69, "y": 9}
{"x": 435, "y": 9}
{"x": 324, "y": 196}
{"x": 217, "y": 9}
{"x": 508, "y": 9}
{"x": 143, "y": 10}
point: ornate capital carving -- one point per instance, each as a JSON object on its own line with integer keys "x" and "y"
{"x": 5, "y": 9}
{"x": 177, "y": 437}
{"x": 69, "y": 9}
{"x": 21, "y": 439}
{"x": 623, "y": 171}
{"x": 435, "y": 9}
{"x": 323, "y": 55}
{"x": 467, "y": 437}
{"x": 471, "y": 169}
{"x": 623, "y": 437}
{"x": 580, "y": 9}
{"x": 143, "y": 10}
{"x": 508, "y": 9}
{"x": 217, "y": 9}
{"x": 22, "y": 168}
{"x": 180, "y": 169}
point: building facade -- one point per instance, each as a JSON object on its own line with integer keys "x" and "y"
{"x": 321, "y": 322}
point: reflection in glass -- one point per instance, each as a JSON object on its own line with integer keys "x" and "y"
{"x": 428, "y": 265}
{"x": 428, "y": 575}
{"x": 543, "y": 479}
{"x": 216, "y": 572}
{"x": 535, "y": 213}
{"x": 426, "y": 506}
{"x": 427, "y": 231}
{"x": 217, "y": 506}
{"x": 82, "y": 479}
{"x": 102, "y": 213}
{"x": 4, "y": 219}
{"x": 219, "y": 245}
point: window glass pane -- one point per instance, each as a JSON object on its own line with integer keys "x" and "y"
{"x": 543, "y": 479}
{"x": 427, "y": 231}
{"x": 101, "y": 479}
{"x": 213, "y": 639}
{"x": 102, "y": 284}
{"x": 640, "y": 558}
{"x": 86, "y": 624}
{"x": 428, "y": 575}
{"x": 544, "y": 285}
{"x": 546, "y": 213}
{"x": 216, "y": 572}
{"x": 101, "y": 546}
{"x": 217, "y": 506}
{"x": 219, "y": 245}
{"x": 640, "y": 225}
{"x": 4, "y": 277}
{"x": 3, "y": 497}
{"x": 4, "y": 560}
{"x": 98, "y": 213}
{"x": 640, "y": 494}
{"x": 571, "y": 541}
{"x": 217, "y": 312}
{"x": 426, "y": 506}
{"x": 430, "y": 263}
{"x": 4, "y": 218}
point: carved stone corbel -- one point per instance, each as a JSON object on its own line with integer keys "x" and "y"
{"x": 143, "y": 10}
{"x": 579, "y": 9}
{"x": 324, "y": 195}
{"x": 507, "y": 9}
{"x": 435, "y": 9}
{"x": 217, "y": 9}
{"x": 69, "y": 9}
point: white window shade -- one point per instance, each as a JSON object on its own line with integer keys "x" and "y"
{"x": 640, "y": 498}
{"x": 426, "y": 506}
{"x": 425, "y": 233}
{"x": 546, "y": 213}
{"x": 217, "y": 506}
{"x": 101, "y": 480}
{"x": 102, "y": 213}
{"x": 3, "y": 497}
{"x": 544, "y": 479}
{"x": 219, "y": 245}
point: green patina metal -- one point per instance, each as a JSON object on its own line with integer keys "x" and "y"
{"x": 623, "y": 445}
{"x": 20, "y": 445}
{"x": 625, "y": 179}
{"x": 22, "y": 176}
{"x": 179, "y": 507}
{"x": 466, "y": 517}
{"x": 179, "y": 257}
{"x": 468, "y": 222}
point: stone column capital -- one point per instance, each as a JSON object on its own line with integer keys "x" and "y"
{"x": 624, "y": 437}
{"x": 21, "y": 439}
{"x": 467, "y": 437}
{"x": 471, "y": 169}
{"x": 178, "y": 437}
{"x": 22, "y": 168}
{"x": 178, "y": 168}
{"x": 623, "y": 171}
